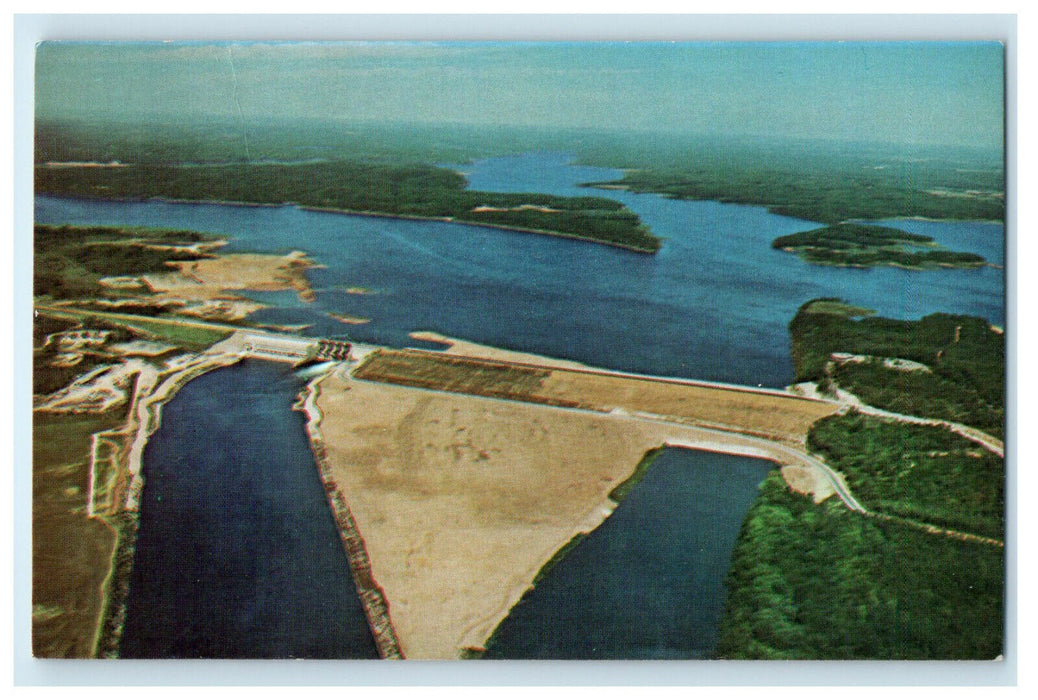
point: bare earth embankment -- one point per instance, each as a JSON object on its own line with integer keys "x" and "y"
{"x": 461, "y": 499}
{"x": 767, "y": 413}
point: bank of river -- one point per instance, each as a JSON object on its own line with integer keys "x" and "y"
{"x": 649, "y": 582}
{"x": 238, "y": 554}
{"x": 238, "y": 548}
{"x": 712, "y": 304}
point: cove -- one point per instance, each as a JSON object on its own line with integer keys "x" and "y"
{"x": 649, "y": 582}
{"x": 238, "y": 554}
{"x": 713, "y": 304}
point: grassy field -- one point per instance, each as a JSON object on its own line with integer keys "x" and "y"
{"x": 184, "y": 333}
{"x": 774, "y": 416}
{"x": 71, "y": 552}
{"x": 189, "y": 336}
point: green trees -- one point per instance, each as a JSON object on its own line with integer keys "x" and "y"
{"x": 69, "y": 260}
{"x": 830, "y": 192}
{"x": 359, "y": 186}
{"x": 867, "y": 246}
{"x": 965, "y": 355}
{"x": 918, "y": 472}
{"x": 814, "y": 581}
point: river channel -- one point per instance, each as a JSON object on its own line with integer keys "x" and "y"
{"x": 238, "y": 555}
{"x": 649, "y": 582}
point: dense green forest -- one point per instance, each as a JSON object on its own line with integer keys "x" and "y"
{"x": 965, "y": 356}
{"x": 819, "y": 181}
{"x": 920, "y": 472}
{"x": 399, "y": 190}
{"x": 866, "y": 246}
{"x": 815, "y": 197}
{"x": 820, "y": 581}
{"x": 69, "y": 260}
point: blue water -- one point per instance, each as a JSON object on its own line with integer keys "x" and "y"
{"x": 713, "y": 304}
{"x": 649, "y": 582}
{"x": 238, "y": 554}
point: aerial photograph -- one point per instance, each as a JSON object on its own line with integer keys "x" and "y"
{"x": 578, "y": 350}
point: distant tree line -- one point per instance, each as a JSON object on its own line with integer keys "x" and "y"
{"x": 814, "y": 195}
{"x": 399, "y": 190}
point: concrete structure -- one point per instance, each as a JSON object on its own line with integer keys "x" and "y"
{"x": 272, "y": 346}
{"x": 333, "y": 350}
{"x": 291, "y": 348}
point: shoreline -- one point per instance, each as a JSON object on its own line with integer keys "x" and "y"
{"x": 654, "y": 432}
{"x": 374, "y": 214}
{"x": 372, "y": 597}
{"x": 466, "y": 222}
{"x": 619, "y": 186}
{"x": 519, "y": 358}
{"x": 448, "y": 562}
{"x": 916, "y": 268}
{"x": 143, "y": 419}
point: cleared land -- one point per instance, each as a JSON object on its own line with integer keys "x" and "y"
{"x": 773, "y": 415}
{"x": 71, "y": 551}
{"x": 461, "y": 499}
{"x": 466, "y": 348}
{"x": 211, "y": 278}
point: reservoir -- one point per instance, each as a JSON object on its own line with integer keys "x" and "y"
{"x": 238, "y": 554}
{"x": 649, "y": 582}
{"x": 713, "y": 304}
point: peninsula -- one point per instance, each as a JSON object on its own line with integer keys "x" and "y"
{"x": 358, "y": 187}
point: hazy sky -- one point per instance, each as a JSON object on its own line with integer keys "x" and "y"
{"x": 925, "y": 92}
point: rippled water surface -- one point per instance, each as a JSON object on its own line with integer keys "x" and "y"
{"x": 238, "y": 555}
{"x": 713, "y": 304}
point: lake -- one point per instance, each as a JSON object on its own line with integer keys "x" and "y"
{"x": 266, "y": 575}
{"x": 713, "y": 304}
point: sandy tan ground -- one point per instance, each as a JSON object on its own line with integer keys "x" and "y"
{"x": 773, "y": 414}
{"x": 807, "y": 481}
{"x": 213, "y": 278}
{"x": 782, "y": 417}
{"x": 465, "y": 348}
{"x": 461, "y": 499}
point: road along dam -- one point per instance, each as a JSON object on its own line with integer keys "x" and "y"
{"x": 465, "y": 475}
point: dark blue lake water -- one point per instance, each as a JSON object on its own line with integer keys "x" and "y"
{"x": 649, "y": 582}
{"x": 713, "y": 304}
{"x": 238, "y": 555}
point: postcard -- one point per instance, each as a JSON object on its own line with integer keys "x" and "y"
{"x": 519, "y": 350}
